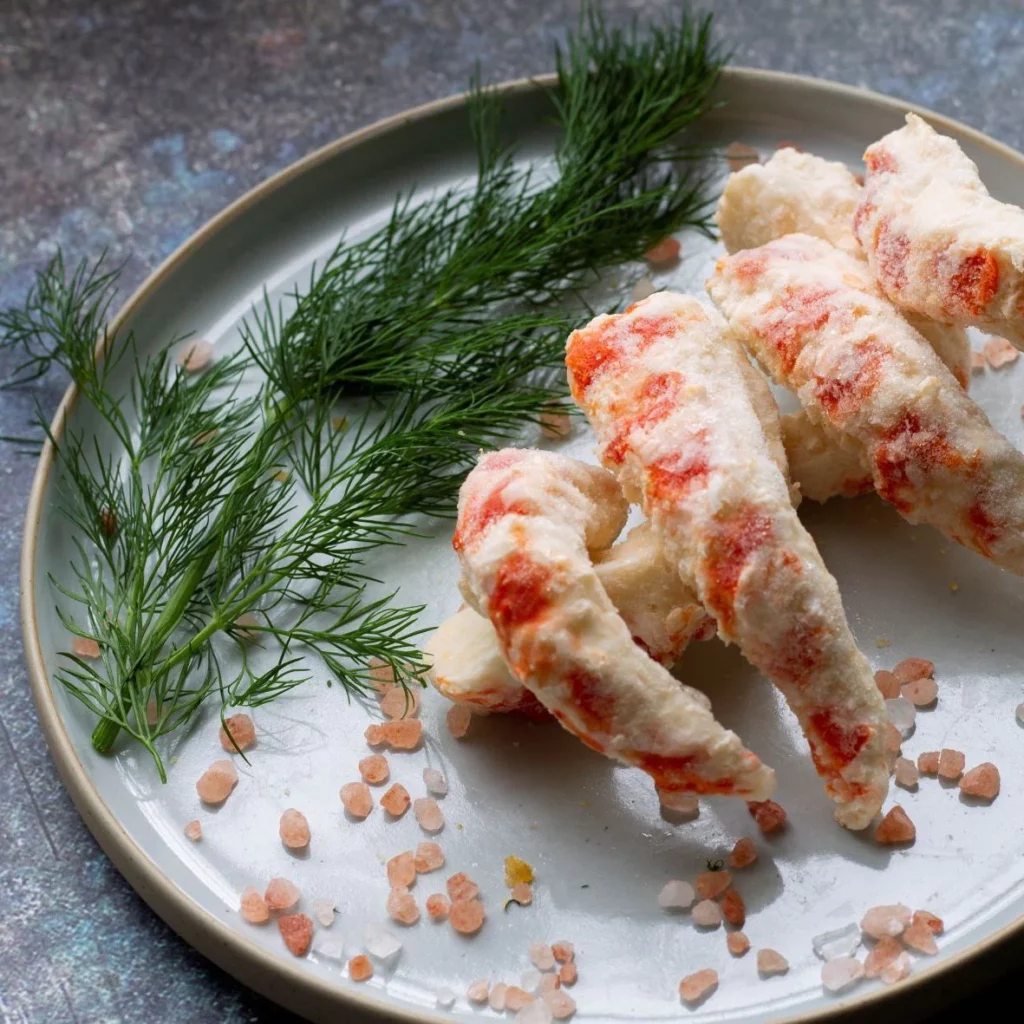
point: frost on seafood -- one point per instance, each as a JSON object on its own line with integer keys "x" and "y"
{"x": 938, "y": 243}
{"x": 664, "y": 388}
{"x": 815, "y": 320}
{"x": 527, "y": 524}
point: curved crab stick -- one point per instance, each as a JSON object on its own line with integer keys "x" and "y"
{"x": 816, "y": 322}
{"x": 937, "y": 242}
{"x": 664, "y": 388}
{"x": 527, "y": 523}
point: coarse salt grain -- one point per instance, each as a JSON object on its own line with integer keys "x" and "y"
{"x": 360, "y": 968}
{"x": 400, "y": 702}
{"x": 981, "y": 782}
{"x": 707, "y": 914}
{"x": 381, "y": 944}
{"x": 374, "y": 734}
{"x": 357, "y": 799}
{"x": 435, "y": 782}
{"x": 253, "y": 907}
{"x": 739, "y": 155}
{"x": 534, "y": 1012}
{"x": 194, "y": 830}
{"x": 929, "y": 920}
{"x": 951, "y": 764}
{"x": 743, "y": 854}
{"x": 910, "y": 669}
{"x": 664, "y": 252}
{"x": 542, "y": 956}
{"x": 478, "y": 991}
{"x": 217, "y": 782}
{"x": 555, "y": 423}
{"x": 428, "y": 857}
{"x": 240, "y": 729}
{"x": 837, "y": 943}
{"x": 522, "y": 893}
{"x": 530, "y": 980}
{"x": 889, "y": 920}
{"x": 374, "y": 769}
{"x": 884, "y": 951}
{"x": 466, "y": 916}
{"x": 195, "y": 356}
{"x": 294, "y": 829}
{"x": 919, "y": 937}
{"x": 676, "y": 895}
{"x": 396, "y": 800}
{"x": 977, "y": 362}
{"x": 769, "y": 815}
{"x": 281, "y": 894}
{"x": 297, "y": 932}
{"x": 323, "y": 911}
{"x": 401, "y": 906}
{"x": 561, "y": 1004}
{"x": 328, "y": 946}
{"x": 445, "y": 998}
{"x": 564, "y": 952}
{"x": 999, "y": 352}
{"x": 893, "y": 739}
{"x": 695, "y": 987}
{"x": 897, "y": 970}
{"x": 382, "y": 676}
{"x": 568, "y": 973}
{"x": 679, "y": 803}
{"x": 516, "y": 998}
{"x": 770, "y": 963}
{"x": 437, "y": 906}
{"x": 428, "y": 814}
{"x": 888, "y": 685}
{"x": 921, "y": 692}
{"x": 840, "y": 973}
{"x": 737, "y": 943}
{"x": 734, "y": 910}
{"x": 461, "y": 887}
{"x": 401, "y": 869}
{"x": 895, "y": 827}
{"x": 402, "y": 733}
{"x": 549, "y": 982}
{"x": 906, "y": 773}
{"x": 458, "y": 719}
{"x": 496, "y": 997}
{"x": 928, "y": 762}
{"x": 902, "y": 714}
{"x": 711, "y": 884}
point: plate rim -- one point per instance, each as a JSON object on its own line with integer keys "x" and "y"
{"x": 272, "y": 976}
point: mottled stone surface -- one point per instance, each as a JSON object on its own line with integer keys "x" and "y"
{"x": 125, "y": 124}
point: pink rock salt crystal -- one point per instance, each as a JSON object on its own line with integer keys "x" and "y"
{"x": 893, "y": 738}
{"x": 919, "y": 937}
{"x": 897, "y": 970}
{"x": 402, "y": 869}
{"x": 769, "y": 815}
{"x": 400, "y": 702}
{"x": 664, "y": 252}
{"x": 951, "y": 764}
{"x": 549, "y": 982}
{"x": 240, "y": 729}
{"x": 568, "y": 973}
{"x": 522, "y": 893}
{"x": 928, "y": 762}
{"x": 85, "y": 647}
{"x": 905, "y": 773}
{"x": 977, "y": 362}
{"x": 516, "y": 998}
{"x": 437, "y": 906}
{"x": 542, "y": 956}
{"x": 428, "y": 814}
{"x": 458, "y": 718}
{"x": 707, "y": 914}
{"x": 281, "y": 894}
{"x": 679, "y": 803}
{"x": 194, "y": 830}
{"x": 910, "y": 669}
{"x": 374, "y": 735}
{"x": 563, "y": 952}
{"x": 738, "y": 155}
{"x": 885, "y": 950}
{"x": 357, "y": 799}
{"x": 466, "y": 916}
{"x": 396, "y": 800}
{"x": 360, "y": 968}
{"x": 215, "y": 784}
{"x": 737, "y": 943}
{"x": 196, "y": 355}
{"x": 402, "y": 906}
{"x": 478, "y": 991}
{"x": 374, "y": 769}
{"x": 297, "y": 932}
{"x": 895, "y": 827}
{"x": 711, "y": 884}
{"x": 734, "y": 910}
{"x": 981, "y": 782}
{"x": 561, "y": 1004}
{"x": 555, "y": 423}
{"x": 889, "y": 920}
{"x": 428, "y": 857}
{"x": 435, "y": 782}
{"x": 461, "y": 887}
{"x": 743, "y": 854}
{"x": 921, "y": 692}
{"x": 888, "y": 685}
{"x": 999, "y": 352}
{"x": 382, "y": 676}
{"x": 695, "y": 987}
{"x": 403, "y": 733}
{"x": 929, "y": 920}
{"x": 496, "y": 997}
{"x": 253, "y": 906}
{"x": 294, "y": 829}
{"x": 323, "y": 911}
{"x": 769, "y": 962}
{"x": 841, "y": 972}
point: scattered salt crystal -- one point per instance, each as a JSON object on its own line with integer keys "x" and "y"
{"x": 374, "y": 769}
{"x": 841, "y": 942}
{"x": 568, "y": 973}
{"x": 981, "y": 782}
{"x": 428, "y": 814}
{"x": 240, "y": 729}
{"x": 294, "y": 829}
{"x": 458, "y": 719}
{"x": 478, "y": 991}
{"x": 680, "y": 803}
{"x": 676, "y": 894}
{"x": 919, "y": 937}
{"x": 357, "y": 799}
{"x": 951, "y": 764}
{"x": 400, "y": 702}
{"x": 253, "y": 906}
{"x": 445, "y": 998}
{"x": 381, "y": 944}
{"x": 461, "y": 887}
{"x": 769, "y": 963}
{"x": 711, "y": 884}
{"x": 695, "y": 987}
{"x": 297, "y": 932}
{"x": 999, "y": 352}
{"x": 401, "y": 906}
{"x": 530, "y": 980}
{"x": 542, "y": 956}
{"x": 906, "y": 773}
{"x": 522, "y": 893}
{"x": 549, "y": 982}
{"x": 555, "y": 423}
{"x": 323, "y": 911}
{"x": 734, "y": 910}
{"x": 516, "y": 998}
{"x": 921, "y": 692}
{"x": 910, "y": 669}
{"x": 642, "y": 289}
{"x": 897, "y": 970}
{"x": 396, "y": 800}
{"x": 738, "y": 155}
{"x": 467, "y": 916}
{"x": 435, "y": 782}
{"x": 215, "y": 784}
{"x": 281, "y": 894}
{"x": 496, "y": 997}
{"x": 889, "y": 920}
{"x": 893, "y": 739}
{"x": 564, "y": 951}
{"x": 329, "y": 946}
{"x": 402, "y": 869}
{"x": 382, "y": 675}
{"x": 928, "y": 762}
{"x": 841, "y": 972}
{"x": 437, "y": 906}
{"x": 360, "y": 969}
{"x": 884, "y": 951}
{"x": 977, "y": 362}
{"x": 664, "y": 252}
{"x": 737, "y": 943}
{"x": 743, "y": 854}
{"x": 429, "y": 857}
{"x": 929, "y": 920}
{"x": 561, "y": 1004}
{"x": 194, "y": 830}
{"x": 402, "y": 733}
{"x": 769, "y": 815}
{"x": 534, "y": 1012}
{"x": 888, "y": 685}
{"x": 196, "y": 355}
{"x": 902, "y": 714}
{"x": 707, "y": 914}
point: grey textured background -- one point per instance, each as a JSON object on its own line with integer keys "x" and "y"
{"x": 124, "y": 125}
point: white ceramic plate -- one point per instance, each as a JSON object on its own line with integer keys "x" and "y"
{"x": 591, "y": 829}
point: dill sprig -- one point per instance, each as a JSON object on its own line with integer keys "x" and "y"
{"x": 438, "y": 335}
